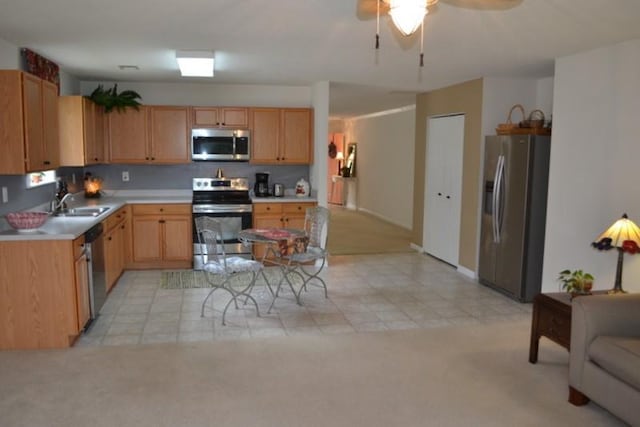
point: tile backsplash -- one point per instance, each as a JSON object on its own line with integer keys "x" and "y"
{"x": 141, "y": 177}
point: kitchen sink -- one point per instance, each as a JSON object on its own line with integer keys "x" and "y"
{"x": 82, "y": 212}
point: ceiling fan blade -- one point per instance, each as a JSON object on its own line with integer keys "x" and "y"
{"x": 484, "y": 4}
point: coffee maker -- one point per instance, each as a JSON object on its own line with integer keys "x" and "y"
{"x": 261, "y": 189}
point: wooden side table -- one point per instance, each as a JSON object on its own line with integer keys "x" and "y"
{"x": 551, "y": 319}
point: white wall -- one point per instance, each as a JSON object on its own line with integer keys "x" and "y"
{"x": 318, "y": 170}
{"x": 9, "y": 56}
{"x": 594, "y": 162}
{"x": 384, "y": 163}
{"x": 212, "y": 94}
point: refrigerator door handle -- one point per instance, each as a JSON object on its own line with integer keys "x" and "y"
{"x": 494, "y": 201}
{"x": 498, "y": 199}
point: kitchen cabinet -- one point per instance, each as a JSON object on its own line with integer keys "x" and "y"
{"x": 127, "y": 135}
{"x": 154, "y": 134}
{"x": 278, "y": 215}
{"x": 281, "y": 135}
{"x": 222, "y": 117}
{"x": 82, "y": 132}
{"x": 29, "y": 122}
{"x": 162, "y": 236}
{"x": 42, "y": 299}
{"x": 117, "y": 236}
{"x": 170, "y": 140}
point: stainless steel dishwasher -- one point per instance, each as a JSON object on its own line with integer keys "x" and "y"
{"x": 94, "y": 246}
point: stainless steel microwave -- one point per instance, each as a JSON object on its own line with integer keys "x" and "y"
{"x": 220, "y": 145}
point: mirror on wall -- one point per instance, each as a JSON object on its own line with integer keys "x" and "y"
{"x": 349, "y": 169}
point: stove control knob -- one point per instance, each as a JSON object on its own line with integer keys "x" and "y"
{"x": 198, "y": 184}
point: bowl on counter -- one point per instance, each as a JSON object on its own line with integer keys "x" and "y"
{"x": 26, "y": 221}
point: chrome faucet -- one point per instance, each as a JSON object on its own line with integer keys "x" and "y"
{"x": 58, "y": 205}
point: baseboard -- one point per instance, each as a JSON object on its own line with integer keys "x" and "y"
{"x": 416, "y": 247}
{"x": 469, "y": 273}
{"x": 383, "y": 218}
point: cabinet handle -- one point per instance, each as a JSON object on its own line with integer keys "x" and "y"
{"x": 161, "y": 209}
{"x": 47, "y": 162}
{"x": 161, "y": 221}
{"x": 122, "y": 227}
{"x": 299, "y": 208}
{"x": 109, "y": 238}
{"x": 146, "y": 158}
{"x": 153, "y": 158}
{"x": 268, "y": 208}
{"x": 95, "y": 158}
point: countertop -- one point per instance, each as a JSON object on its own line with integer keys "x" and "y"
{"x": 66, "y": 228}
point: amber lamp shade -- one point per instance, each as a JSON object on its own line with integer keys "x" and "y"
{"x": 623, "y": 235}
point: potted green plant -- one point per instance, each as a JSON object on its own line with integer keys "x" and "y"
{"x": 110, "y": 98}
{"x": 576, "y": 282}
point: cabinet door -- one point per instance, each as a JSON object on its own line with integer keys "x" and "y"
{"x": 177, "y": 238}
{"x": 296, "y": 136}
{"x": 265, "y": 133}
{"x": 205, "y": 117}
{"x": 33, "y": 125}
{"x": 12, "y": 160}
{"x": 82, "y": 291}
{"x": 234, "y": 117}
{"x": 50, "y": 122}
{"x": 169, "y": 134}
{"x": 128, "y": 136}
{"x": 146, "y": 238}
{"x": 99, "y": 137}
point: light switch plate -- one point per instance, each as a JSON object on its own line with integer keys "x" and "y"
{"x": 5, "y": 195}
{"x": 125, "y": 176}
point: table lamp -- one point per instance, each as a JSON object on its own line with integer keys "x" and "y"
{"x": 624, "y": 235}
{"x": 339, "y": 158}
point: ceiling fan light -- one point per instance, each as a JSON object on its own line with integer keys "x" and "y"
{"x": 407, "y": 15}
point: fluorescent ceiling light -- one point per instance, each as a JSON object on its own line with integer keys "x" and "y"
{"x": 195, "y": 63}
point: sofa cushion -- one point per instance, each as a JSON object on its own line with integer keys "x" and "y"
{"x": 620, "y": 356}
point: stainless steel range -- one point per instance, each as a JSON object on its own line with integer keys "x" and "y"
{"x": 228, "y": 201}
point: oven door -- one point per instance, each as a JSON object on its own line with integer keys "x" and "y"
{"x": 232, "y": 223}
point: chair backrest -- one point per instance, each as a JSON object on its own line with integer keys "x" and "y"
{"x": 316, "y": 224}
{"x": 209, "y": 231}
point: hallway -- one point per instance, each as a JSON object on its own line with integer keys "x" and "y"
{"x": 355, "y": 233}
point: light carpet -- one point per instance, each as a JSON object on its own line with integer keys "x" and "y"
{"x": 352, "y": 232}
{"x": 453, "y": 376}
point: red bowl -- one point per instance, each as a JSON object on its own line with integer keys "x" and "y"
{"x": 26, "y": 220}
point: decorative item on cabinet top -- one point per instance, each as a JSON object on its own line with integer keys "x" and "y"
{"x": 111, "y": 99}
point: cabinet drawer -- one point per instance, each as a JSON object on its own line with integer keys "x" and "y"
{"x": 168, "y": 209}
{"x": 115, "y": 218}
{"x": 266, "y": 208}
{"x": 78, "y": 247}
{"x": 300, "y": 208}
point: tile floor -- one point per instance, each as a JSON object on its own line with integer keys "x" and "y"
{"x": 366, "y": 293}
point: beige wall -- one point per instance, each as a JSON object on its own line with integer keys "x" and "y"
{"x": 462, "y": 98}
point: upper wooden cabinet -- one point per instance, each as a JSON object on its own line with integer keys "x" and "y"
{"x": 281, "y": 135}
{"x": 170, "y": 134}
{"x": 127, "y": 135}
{"x": 81, "y": 131}
{"x": 223, "y": 117}
{"x": 154, "y": 134}
{"x": 28, "y": 123}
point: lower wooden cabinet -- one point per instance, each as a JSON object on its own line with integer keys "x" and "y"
{"x": 42, "y": 299}
{"x": 162, "y": 236}
{"x": 116, "y": 245}
{"x": 278, "y": 215}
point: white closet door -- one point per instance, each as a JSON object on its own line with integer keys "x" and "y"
{"x": 443, "y": 187}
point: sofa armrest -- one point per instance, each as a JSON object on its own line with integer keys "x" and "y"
{"x": 592, "y": 316}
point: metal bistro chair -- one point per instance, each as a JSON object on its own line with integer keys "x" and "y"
{"x": 224, "y": 272}
{"x": 303, "y": 260}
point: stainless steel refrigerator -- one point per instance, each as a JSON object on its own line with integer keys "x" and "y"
{"x": 514, "y": 208}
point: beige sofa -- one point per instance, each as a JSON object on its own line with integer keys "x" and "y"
{"x": 604, "y": 362}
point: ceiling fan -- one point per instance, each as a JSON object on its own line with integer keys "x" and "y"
{"x": 408, "y": 15}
